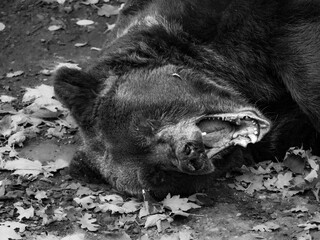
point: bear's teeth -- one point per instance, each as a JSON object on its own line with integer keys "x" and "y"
{"x": 253, "y": 138}
{"x": 203, "y": 133}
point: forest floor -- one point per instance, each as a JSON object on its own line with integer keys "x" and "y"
{"x": 268, "y": 201}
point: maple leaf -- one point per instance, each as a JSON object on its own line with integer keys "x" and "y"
{"x": 23, "y": 167}
{"x": 155, "y": 220}
{"x": 256, "y": 185}
{"x": 8, "y": 233}
{"x": 84, "y": 22}
{"x": 177, "y": 204}
{"x": 6, "y": 99}
{"x": 86, "y": 202}
{"x": 56, "y": 165}
{"x": 87, "y": 2}
{"x": 86, "y": 191}
{"x": 17, "y": 138}
{"x": 131, "y": 206}
{"x": 109, "y": 10}
{"x": 299, "y": 209}
{"x": 25, "y": 213}
{"x": 15, "y": 74}
{"x": 283, "y": 180}
{"x": 59, "y": 214}
{"x": 266, "y": 227}
{"x": 294, "y": 162}
{"x": 41, "y": 195}
{"x": 270, "y": 183}
{"x": 109, "y": 207}
{"x": 309, "y": 226}
{"x": 311, "y": 176}
{"x": 5, "y": 126}
{"x": 87, "y": 222}
{"x": 15, "y": 225}
{"x": 112, "y": 198}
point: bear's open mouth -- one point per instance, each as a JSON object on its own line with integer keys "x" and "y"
{"x": 220, "y": 131}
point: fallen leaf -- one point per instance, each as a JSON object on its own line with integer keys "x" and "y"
{"x": 84, "y": 22}
{"x": 17, "y": 139}
{"x": 311, "y": 176}
{"x": 8, "y": 233}
{"x": 299, "y": 209}
{"x": 25, "y": 213}
{"x": 88, "y": 2}
{"x": 110, "y": 26}
{"x": 53, "y": 28}
{"x": 86, "y": 202}
{"x": 154, "y": 219}
{"x": 5, "y": 126}
{"x": 295, "y": 163}
{"x": 283, "y": 180}
{"x": 112, "y": 198}
{"x": 56, "y": 165}
{"x": 59, "y": 214}
{"x": 14, "y": 74}
{"x": 2, "y": 26}
{"x": 109, "y": 10}
{"x": 131, "y": 206}
{"x": 15, "y": 225}
{"x": 6, "y": 99}
{"x": 266, "y": 227}
{"x": 23, "y": 167}
{"x": 87, "y": 222}
{"x": 109, "y": 207}
{"x": 41, "y": 195}
{"x": 96, "y": 49}
{"x": 80, "y": 44}
{"x": 185, "y": 235}
{"x": 175, "y": 203}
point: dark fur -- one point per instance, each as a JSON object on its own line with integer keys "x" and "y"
{"x": 226, "y": 55}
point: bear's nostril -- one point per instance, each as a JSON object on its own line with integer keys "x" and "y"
{"x": 187, "y": 149}
{"x": 196, "y": 165}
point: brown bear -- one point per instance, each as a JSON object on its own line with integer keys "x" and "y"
{"x": 186, "y": 89}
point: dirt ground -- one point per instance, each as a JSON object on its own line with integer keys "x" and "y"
{"x": 28, "y": 45}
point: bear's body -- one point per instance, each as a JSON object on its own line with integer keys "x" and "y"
{"x": 184, "y": 88}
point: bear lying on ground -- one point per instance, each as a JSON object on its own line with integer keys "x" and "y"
{"x": 186, "y": 89}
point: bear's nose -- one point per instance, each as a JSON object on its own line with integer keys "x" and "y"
{"x": 191, "y": 155}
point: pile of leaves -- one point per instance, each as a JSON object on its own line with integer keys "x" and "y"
{"x": 298, "y": 172}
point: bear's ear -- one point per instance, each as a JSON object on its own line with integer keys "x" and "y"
{"x": 77, "y": 90}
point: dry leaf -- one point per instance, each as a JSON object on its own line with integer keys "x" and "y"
{"x": 6, "y": 99}
{"x": 15, "y": 225}
{"x": 88, "y": 2}
{"x": 109, "y": 10}
{"x": 175, "y": 203}
{"x": 87, "y": 222}
{"x": 266, "y": 227}
{"x": 53, "y": 28}
{"x": 84, "y": 22}
{"x": 25, "y": 213}
{"x": 86, "y": 202}
{"x": 8, "y": 233}
{"x": 2, "y": 26}
{"x": 80, "y": 44}
{"x": 14, "y": 74}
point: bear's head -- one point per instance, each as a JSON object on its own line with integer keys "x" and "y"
{"x": 173, "y": 117}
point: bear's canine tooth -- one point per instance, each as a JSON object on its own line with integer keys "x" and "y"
{"x": 253, "y": 138}
{"x": 203, "y": 133}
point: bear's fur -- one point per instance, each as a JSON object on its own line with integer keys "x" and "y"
{"x": 179, "y": 81}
